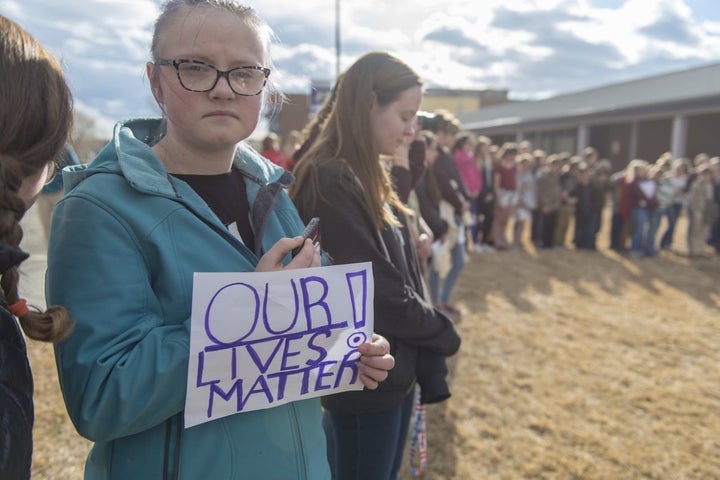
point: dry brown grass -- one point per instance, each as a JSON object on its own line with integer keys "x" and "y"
{"x": 574, "y": 365}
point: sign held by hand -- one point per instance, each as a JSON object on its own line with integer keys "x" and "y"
{"x": 263, "y": 339}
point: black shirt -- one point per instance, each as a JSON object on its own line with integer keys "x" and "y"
{"x": 226, "y": 196}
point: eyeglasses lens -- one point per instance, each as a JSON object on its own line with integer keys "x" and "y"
{"x": 200, "y": 77}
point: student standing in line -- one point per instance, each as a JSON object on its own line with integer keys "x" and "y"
{"x": 271, "y": 149}
{"x": 621, "y": 219}
{"x": 566, "y": 212}
{"x": 527, "y": 197}
{"x": 464, "y": 153}
{"x": 676, "y": 179}
{"x": 162, "y": 201}
{"x": 539, "y": 164}
{"x": 453, "y": 194}
{"x": 585, "y": 209}
{"x": 549, "y": 196}
{"x": 506, "y": 194}
{"x": 714, "y": 234}
{"x": 642, "y": 194}
{"x": 35, "y": 123}
{"x": 428, "y": 201}
{"x": 343, "y": 180}
{"x": 486, "y": 198}
{"x": 700, "y": 205}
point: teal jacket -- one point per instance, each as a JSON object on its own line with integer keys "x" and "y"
{"x": 125, "y": 241}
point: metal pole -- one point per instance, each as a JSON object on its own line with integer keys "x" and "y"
{"x": 337, "y": 39}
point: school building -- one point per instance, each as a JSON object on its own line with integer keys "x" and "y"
{"x": 677, "y": 112}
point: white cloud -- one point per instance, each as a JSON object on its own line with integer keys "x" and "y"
{"x": 11, "y": 9}
{"x": 531, "y": 47}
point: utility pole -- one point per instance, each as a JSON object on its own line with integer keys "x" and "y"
{"x": 337, "y": 39}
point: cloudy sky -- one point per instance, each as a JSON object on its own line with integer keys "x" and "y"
{"x": 533, "y": 48}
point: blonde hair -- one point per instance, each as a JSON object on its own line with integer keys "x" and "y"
{"x": 632, "y": 168}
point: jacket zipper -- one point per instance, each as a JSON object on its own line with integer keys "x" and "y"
{"x": 302, "y": 471}
{"x": 171, "y": 461}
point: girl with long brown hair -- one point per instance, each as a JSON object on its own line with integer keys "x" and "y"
{"x": 35, "y": 122}
{"x": 343, "y": 180}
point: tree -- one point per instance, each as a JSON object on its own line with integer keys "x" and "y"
{"x": 85, "y": 139}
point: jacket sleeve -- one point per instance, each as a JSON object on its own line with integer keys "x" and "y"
{"x": 432, "y": 374}
{"x": 438, "y": 226}
{"x": 449, "y": 182}
{"x": 124, "y": 367}
{"x": 635, "y": 195}
{"x": 417, "y": 155}
{"x": 16, "y": 407}
{"x": 349, "y": 235}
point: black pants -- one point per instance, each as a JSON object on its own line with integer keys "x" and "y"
{"x": 485, "y": 219}
{"x": 547, "y": 228}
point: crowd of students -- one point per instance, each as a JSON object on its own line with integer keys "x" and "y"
{"x": 474, "y": 196}
{"x": 470, "y": 195}
{"x": 411, "y": 193}
{"x": 504, "y": 192}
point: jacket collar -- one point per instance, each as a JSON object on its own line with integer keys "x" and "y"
{"x": 129, "y": 154}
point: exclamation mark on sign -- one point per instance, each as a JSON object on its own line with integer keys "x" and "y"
{"x": 357, "y": 285}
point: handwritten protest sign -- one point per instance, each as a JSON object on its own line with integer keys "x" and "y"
{"x": 262, "y": 339}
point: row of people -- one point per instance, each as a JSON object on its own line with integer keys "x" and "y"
{"x": 513, "y": 188}
{"x": 166, "y": 198}
{"x": 644, "y": 193}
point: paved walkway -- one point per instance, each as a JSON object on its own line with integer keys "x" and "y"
{"x": 32, "y": 270}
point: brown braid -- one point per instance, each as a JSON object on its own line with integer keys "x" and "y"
{"x": 35, "y": 123}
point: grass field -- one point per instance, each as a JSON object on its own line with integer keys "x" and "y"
{"x": 574, "y": 365}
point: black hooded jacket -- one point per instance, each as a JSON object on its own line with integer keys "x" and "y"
{"x": 16, "y": 386}
{"x": 402, "y": 315}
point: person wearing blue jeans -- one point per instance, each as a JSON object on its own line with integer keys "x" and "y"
{"x": 672, "y": 212}
{"x": 673, "y": 185}
{"x": 642, "y": 193}
{"x": 441, "y": 289}
{"x": 376, "y": 433}
{"x": 645, "y": 226}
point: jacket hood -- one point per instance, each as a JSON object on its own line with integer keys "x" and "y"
{"x": 129, "y": 154}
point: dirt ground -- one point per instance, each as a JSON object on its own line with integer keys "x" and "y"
{"x": 574, "y": 365}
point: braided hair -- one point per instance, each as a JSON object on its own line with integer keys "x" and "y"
{"x": 35, "y": 124}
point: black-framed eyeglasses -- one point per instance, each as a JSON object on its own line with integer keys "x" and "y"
{"x": 197, "y": 76}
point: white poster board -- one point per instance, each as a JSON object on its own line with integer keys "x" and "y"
{"x": 262, "y": 339}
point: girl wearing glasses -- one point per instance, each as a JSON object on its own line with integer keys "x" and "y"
{"x": 343, "y": 180}
{"x": 133, "y": 227}
{"x": 35, "y": 121}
